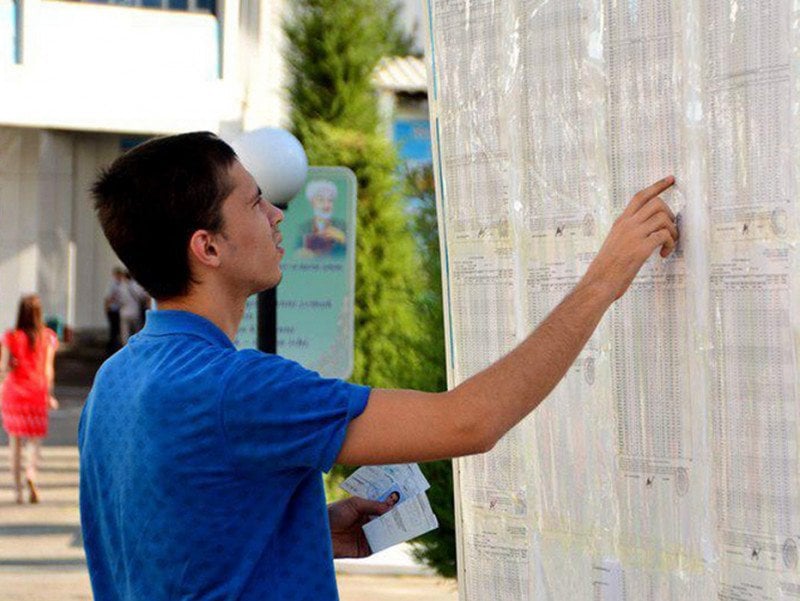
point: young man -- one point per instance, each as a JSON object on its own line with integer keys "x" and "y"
{"x": 201, "y": 465}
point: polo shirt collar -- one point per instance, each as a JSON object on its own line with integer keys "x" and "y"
{"x": 171, "y": 321}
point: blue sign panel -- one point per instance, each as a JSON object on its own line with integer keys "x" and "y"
{"x": 413, "y": 140}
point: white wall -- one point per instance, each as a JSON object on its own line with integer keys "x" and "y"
{"x": 411, "y": 18}
{"x": 89, "y": 74}
{"x": 120, "y": 44}
{"x": 94, "y": 258}
{"x": 18, "y": 218}
{"x": 54, "y": 224}
{"x": 45, "y": 208}
{"x": 7, "y": 31}
{"x": 261, "y": 66}
{"x": 112, "y": 68}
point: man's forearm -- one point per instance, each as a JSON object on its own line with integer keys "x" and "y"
{"x": 506, "y": 392}
{"x": 404, "y": 425}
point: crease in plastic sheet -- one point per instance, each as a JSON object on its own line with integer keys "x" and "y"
{"x": 665, "y": 464}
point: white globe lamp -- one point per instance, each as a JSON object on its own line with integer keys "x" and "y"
{"x": 276, "y": 160}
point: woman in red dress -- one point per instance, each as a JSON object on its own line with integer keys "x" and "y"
{"x": 26, "y": 359}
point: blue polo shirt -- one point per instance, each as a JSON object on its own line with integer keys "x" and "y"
{"x": 201, "y": 469}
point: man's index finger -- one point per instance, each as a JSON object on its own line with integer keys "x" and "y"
{"x": 643, "y": 196}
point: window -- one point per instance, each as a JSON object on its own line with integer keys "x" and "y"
{"x": 193, "y": 6}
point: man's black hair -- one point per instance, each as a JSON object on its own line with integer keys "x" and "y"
{"x": 154, "y": 197}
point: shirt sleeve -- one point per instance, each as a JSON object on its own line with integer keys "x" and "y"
{"x": 278, "y": 415}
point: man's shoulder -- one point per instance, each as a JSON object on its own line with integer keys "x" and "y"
{"x": 169, "y": 359}
{"x": 153, "y": 376}
{"x": 249, "y": 361}
{"x": 255, "y": 373}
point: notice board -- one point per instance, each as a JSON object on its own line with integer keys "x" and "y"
{"x": 665, "y": 464}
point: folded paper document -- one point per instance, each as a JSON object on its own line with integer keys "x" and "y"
{"x": 406, "y": 521}
{"x": 405, "y": 486}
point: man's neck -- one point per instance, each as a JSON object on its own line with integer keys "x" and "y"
{"x": 224, "y": 311}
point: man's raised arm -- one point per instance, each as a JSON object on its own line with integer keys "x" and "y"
{"x": 404, "y": 426}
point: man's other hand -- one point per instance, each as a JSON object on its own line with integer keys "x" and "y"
{"x": 645, "y": 225}
{"x": 346, "y": 519}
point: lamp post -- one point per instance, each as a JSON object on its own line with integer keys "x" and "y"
{"x": 278, "y": 163}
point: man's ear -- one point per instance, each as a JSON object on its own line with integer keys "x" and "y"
{"x": 203, "y": 247}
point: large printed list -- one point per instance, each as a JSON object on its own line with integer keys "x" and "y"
{"x": 665, "y": 464}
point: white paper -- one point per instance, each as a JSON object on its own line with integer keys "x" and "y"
{"x": 666, "y": 464}
{"x": 407, "y": 520}
{"x": 378, "y": 482}
{"x": 499, "y": 549}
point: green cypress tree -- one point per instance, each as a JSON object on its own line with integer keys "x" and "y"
{"x": 436, "y": 549}
{"x": 334, "y": 47}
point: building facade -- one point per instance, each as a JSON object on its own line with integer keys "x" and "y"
{"x": 80, "y": 82}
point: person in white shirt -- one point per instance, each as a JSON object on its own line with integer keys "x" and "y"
{"x": 112, "y": 305}
{"x": 131, "y": 297}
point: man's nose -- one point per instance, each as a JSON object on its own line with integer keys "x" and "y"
{"x": 277, "y": 215}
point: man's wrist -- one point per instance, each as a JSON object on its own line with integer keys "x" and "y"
{"x": 599, "y": 289}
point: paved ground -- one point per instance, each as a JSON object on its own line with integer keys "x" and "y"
{"x": 41, "y": 554}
